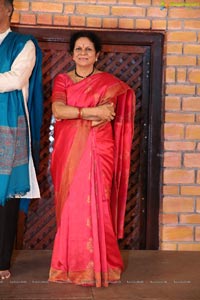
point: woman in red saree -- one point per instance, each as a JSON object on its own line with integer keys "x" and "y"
{"x": 94, "y": 114}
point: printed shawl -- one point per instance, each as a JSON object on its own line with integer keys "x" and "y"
{"x": 14, "y": 172}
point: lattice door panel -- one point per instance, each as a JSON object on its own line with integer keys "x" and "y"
{"x": 128, "y": 65}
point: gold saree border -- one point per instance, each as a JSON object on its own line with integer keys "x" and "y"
{"x": 86, "y": 277}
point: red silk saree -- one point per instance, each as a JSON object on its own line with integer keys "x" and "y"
{"x": 90, "y": 171}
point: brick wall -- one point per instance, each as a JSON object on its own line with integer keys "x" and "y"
{"x": 180, "y": 205}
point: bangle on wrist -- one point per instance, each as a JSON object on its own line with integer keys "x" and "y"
{"x": 80, "y": 113}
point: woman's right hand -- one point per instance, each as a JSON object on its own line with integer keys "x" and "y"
{"x": 106, "y": 112}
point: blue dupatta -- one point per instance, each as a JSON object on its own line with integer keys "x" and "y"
{"x": 14, "y": 142}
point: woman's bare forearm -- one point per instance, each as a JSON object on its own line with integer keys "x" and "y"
{"x": 62, "y": 111}
{"x": 98, "y": 113}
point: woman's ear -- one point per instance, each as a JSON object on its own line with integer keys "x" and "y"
{"x": 9, "y": 11}
{"x": 97, "y": 55}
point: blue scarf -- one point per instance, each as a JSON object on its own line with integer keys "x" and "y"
{"x": 14, "y": 172}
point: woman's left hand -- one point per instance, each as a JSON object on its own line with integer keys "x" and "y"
{"x": 97, "y": 123}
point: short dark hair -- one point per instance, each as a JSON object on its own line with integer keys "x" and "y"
{"x": 93, "y": 37}
{"x": 9, "y": 3}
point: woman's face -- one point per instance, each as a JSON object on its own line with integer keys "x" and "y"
{"x": 84, "y": 53}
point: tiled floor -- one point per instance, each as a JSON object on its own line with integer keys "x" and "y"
{"x": 149, "y": 275}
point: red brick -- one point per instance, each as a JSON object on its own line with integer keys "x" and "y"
{"x": 92, "y": 10}
{"x": 125, "y": 2}
{"x": 181, "y": 74}
{"x": 105, "y": 1}
{"x": 193, "y": 132}
{"x": 172, "y": 159}
{"x": 198, "y": 205}
{"x": 170, "y": 190}
{"x": 170, "y": 74}
{"x": 192, "y": 24}
{"x": 190, "y": 218}
{"x": 174, "y": 131}
{"x": 182, "y": 36}
{"x": 183, "y": 60}
{"x": 174, "y": 48}
{"x": 46, "y": 7}
{"x": 194, "y": 75}
{"x": 77, "y": 21}
{"x": 180, "y": 233}
{"x": 93, "y": 22}
{"x": 69, "y": 9}
{"x": 192, "y": 49}
{"x": 126, "y": 23}
{"x": 189, "y": 247}
{"x": 174, "y": 24}
{"x": 183, "y": 13}
{"x": 178, "y": 204}
{"x": 28, "y": 19}
{"x": 168, "y": 246}
{"x": 198, "y": 177}
{"x": 127, "y": 11}
{"x": 110, "y": 23}
{"x": 159, "y": 24}
{"x": 191, "y": 104}
{"x": 156, "y": 12}
{"x": 142, "y": 23}
{"x": 197, "y": 234}
{"x": 143, "y": 2}
{"x": 177, "y": 176}
{"x": 192, "y": 160}
{"x": 180, "y": 89}
{"x": 175, "y": 117}
{"x": 44, "y": 19}
{"x": 172, "y": 103}
{"x": 61, "y": 20}
{"x": 179, "y": 146}
{"x": 193, "y": 190}
{"x": 169, "y": 219}
{"x": 21, "y": 5}
{"x": 75, "y": 1}
{"x": 156, "y": 2}
{"x": 15, "y": 17}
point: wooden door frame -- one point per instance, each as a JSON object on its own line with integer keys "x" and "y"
{"x": 154, "y": 39}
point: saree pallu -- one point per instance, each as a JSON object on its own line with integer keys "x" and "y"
{"x": 83, "y": 166}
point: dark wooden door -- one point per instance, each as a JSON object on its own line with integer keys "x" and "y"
{"x": 132, "y": 63}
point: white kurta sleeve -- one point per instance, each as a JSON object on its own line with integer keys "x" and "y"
{"x": 21, "y": 70}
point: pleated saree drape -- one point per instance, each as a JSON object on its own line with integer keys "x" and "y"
{"x": 90, "y": 170}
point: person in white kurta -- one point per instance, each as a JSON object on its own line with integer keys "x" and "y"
{"x": 17, "y": 78}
